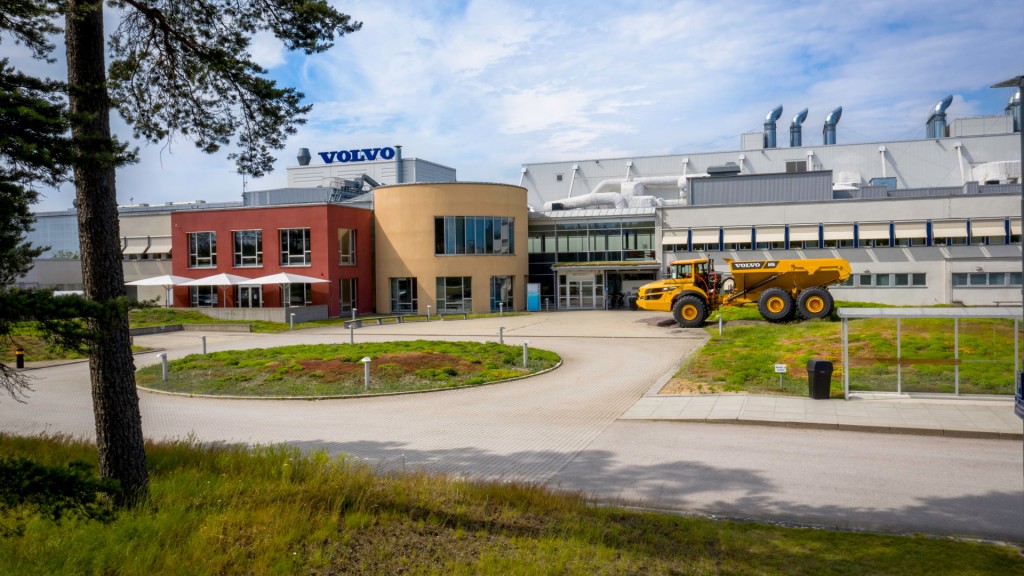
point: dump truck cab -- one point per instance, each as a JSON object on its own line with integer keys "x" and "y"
{"x": 690, "y": 291}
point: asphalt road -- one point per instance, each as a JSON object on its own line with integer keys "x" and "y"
{"x": 562, "y": 429}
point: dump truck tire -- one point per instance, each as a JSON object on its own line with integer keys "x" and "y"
{"x": 815, "y": 303}
{"x": 690, "y": 312}
{"x": 775, "y": 305}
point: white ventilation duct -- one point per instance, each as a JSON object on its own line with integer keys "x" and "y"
{"x": 997, "y": 172}
{"x": 622, "y": 193}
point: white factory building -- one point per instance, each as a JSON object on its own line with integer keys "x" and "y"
{"x": 934, "y": 220}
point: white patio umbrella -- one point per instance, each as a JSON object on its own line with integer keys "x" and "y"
{"x": 222, "y": 279}
{"x": 168, "y": 281}
{"x": 287, "y": 278}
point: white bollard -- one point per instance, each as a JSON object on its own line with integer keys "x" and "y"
{"x": 291, "y": 321}
{"x": 203, "y": 338}
{"x": 719, "y": 324}
{"x": 366, "y": 373}
{"x": 526, "y": 352}
{"x": 428, "y": 311}
{"x": 351, "y": 333}
{"x": 501, "y": 308}
{"x": 163, "y": 361}
{"x": 353, "y": 313}
{"x": 501, "y": 335}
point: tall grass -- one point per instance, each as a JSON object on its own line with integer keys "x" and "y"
{"x": 272, "y": 510}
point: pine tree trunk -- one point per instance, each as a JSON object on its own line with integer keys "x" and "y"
{"x": 112, "y": 369}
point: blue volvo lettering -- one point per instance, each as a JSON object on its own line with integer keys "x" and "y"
{"x": 357, "y": 155}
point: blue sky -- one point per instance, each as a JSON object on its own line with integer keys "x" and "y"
{"x": 485, "y": 86}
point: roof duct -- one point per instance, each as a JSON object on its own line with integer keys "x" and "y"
{"x": 937, "y": 121}
{"x": 828, "y": 133}
{"x": 1013, "y": 109}
{"x": 769, "y": 126}
{"x": 796, "y": 129}
{"x": 304, "y": 157}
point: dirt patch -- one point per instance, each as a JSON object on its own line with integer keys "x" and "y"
{"x": 685, "y": 386}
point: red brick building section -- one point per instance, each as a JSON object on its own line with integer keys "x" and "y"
{"x": 323, "y": 259}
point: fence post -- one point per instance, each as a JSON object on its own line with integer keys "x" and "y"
{"x": 956, "y": 356}
{"x": 899, "y": 363}
{"x": 846, "y": 360}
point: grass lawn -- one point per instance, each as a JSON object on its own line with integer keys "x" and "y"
{"x": 337, "y": 369}
{"x": 228, "y": 510}
{"x": 743, "y": 358}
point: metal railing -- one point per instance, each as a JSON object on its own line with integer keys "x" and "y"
{"x": 931, "y": 350}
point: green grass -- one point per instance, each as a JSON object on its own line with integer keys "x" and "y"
{"x": 228, "y": 510}
{"x": 337, "y": 369}
{"x": 743, "y": 358}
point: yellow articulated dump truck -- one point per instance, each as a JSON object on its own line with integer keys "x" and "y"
{"x": 780, "y": 288}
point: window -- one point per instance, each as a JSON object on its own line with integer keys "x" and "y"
{"x": 297, "y": 295}
{"x": 295, "y": 249}
{"x": 501, "y": 292}
{"x": 881, "y": 280}
{"x": 248, "y": 248}
{"x": 348, "y": 294}
{"x": 865, "y": 280}
{"x": 796, "y": 166}
{"x": 346, "y": 247}
{"x": 558, "y": 177}
{"x": 202, "y": 296}
{"x": 403, "y": 295}
{"x": 918, "y": 279}
{"x": 202, "y": 250}
{"x": 901, "y": 279}
{"x": 454, "y": 294}
{"x": 483, "y": 235}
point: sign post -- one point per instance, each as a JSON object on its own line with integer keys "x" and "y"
{"x": 780, "y": 369}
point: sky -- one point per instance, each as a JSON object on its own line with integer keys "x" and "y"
{"x": 485, "y": 86}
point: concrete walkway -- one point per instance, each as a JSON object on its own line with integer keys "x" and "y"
{"x": 952, "y": 417}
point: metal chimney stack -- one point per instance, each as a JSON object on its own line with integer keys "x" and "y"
{"x": 796, "y": 130}
{"x": 828, "y": 133}
{"x": 1013, "y": 109}
{"x": 769, "y": 126}
{"x": 936, "y": 127}
{"x": 304, "y": 157}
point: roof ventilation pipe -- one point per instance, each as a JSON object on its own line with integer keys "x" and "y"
{"x": 828, "y": 133}
{"x": 611, "y": 199}
{"x": 769, "y": 126}
{"x": 1013, "y": 109}
{"x": 399, "y": 176}
{"x": 796, "y": 129}
{"x": 304, "y": 157}
{"x": 936, "y": 127}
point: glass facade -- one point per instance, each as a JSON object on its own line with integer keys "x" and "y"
{"x": 470, "y": 235}
{"x": 202, "y": 250}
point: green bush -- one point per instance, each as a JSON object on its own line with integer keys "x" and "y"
{"x": 53, "y": 492}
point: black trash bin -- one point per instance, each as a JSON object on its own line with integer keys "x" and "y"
{"x": 632, "y": 303}
{"x": 819, "y": 379}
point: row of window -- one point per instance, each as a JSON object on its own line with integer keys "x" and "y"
{"x": 247, "y": 248}
{"x": 596, "y": 241}
{"x": 918, "y": 280}
{"x": 454, "y": 294}
{"x": 860, "y": 235}
{"x": 961, "y": 279}
{"x": 466, "y": 235}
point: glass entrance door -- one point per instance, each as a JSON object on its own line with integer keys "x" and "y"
{"x": 250, "y": 297}
{"x": 578, "y": 293}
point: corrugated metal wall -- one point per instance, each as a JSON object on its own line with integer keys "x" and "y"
{"x": 760, "y": 189}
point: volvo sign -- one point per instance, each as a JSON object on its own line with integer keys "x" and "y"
{"x": 357, "y": 155}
